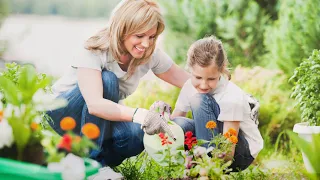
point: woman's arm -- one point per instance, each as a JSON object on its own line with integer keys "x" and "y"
{"x": 226, "y": 126}
{"x": 90, "y": 84}
{"x": 175, "y": 76}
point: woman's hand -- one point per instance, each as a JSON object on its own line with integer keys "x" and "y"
{"x": 152, "y": 122}
{"x": 161, "y": 107}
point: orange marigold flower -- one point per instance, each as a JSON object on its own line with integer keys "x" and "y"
{"x": 227, "y": 134}
{"x": 233, "y": 139}
{"x": 1, "y": 115}
{"x": 67, "y": 123}
{"x": 211, "y": 125}
{"x": 232, "y": 131}
{"x": 91, "y": 130}
{"x": 34, "y": 126}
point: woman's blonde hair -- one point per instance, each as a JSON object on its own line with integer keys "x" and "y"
{"x": 206, "y": 51}
{"x": 128, "y": 17}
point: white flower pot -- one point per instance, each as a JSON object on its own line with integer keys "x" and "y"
{"x": 305, "y": 131}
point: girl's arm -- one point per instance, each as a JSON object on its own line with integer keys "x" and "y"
{"x": 226, "y": 126}
{"x": 177, "y": 113}
{"x": 175, "y": 76}
{"x": 90, "y": 84}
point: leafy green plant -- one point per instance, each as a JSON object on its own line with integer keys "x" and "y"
{"x": 306, "y": 88}
{"x": 24, "y": 100}
{"x": 311, "y": 151}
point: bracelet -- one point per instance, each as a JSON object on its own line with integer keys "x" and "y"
{"x": 134, "y": 113}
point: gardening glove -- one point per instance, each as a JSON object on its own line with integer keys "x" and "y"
{"x": 152, "y": 122}
{"x": 255, "y": 106}
{"x": 161, "y": 107}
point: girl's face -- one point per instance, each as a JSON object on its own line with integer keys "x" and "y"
{"x": 137, "y": 44}
{"x": 205, "y": 79}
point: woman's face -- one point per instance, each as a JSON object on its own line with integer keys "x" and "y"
{"x": 137, "y": 44}
{"x": 205, "y": 79}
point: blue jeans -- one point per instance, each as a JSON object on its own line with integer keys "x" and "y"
{"x": 205, "y": 108}
{"x": 117, "y": 140}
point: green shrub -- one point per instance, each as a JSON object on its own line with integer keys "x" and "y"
{"x": 239, "y": 24}
{"x": 306, "y": 88}
{"x": 294, "y": 35}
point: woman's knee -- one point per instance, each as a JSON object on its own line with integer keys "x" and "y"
{"x": 128, "y": 138}
{"x": 110, "y": 84}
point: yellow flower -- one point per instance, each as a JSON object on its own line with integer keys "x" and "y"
{"x": 211, "y": 125}
{"x": 232, "y": 131}
{"x": 34, "y": 126}
{"x": 67, "y": 123}
{"x": 227, "y": 134}
{"x": 233, "y": 139}
{"x": 1, "y": 115}
{"x": 91, "y": 130}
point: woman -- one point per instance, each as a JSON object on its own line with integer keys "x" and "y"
{"x": 107, "y": 71}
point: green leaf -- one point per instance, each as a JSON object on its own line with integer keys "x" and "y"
{"x": 10, "y": 90}
{"x": 21, "y": 133}
{"x": 310, "y": 149}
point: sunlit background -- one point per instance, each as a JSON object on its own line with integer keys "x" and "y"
{"x": 265, "y": 41}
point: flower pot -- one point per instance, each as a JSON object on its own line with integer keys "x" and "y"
{"x": 17, "y": 170}
{"x": 305, "y": 131}
{"x": 32, "y": 153}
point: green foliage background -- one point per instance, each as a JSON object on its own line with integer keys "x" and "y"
{"x": 294, "y": 35}
{"x": 268, "y": 38}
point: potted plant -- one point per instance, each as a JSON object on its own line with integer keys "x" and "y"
{"x": 306, "y": 91}
{"x": 27, "y": 150}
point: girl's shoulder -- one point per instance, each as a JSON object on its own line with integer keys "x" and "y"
{"x": 233, "y": 93}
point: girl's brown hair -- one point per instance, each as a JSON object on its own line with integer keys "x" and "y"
{"x": 206, "y": 51}
{"x": 128, "y": 18}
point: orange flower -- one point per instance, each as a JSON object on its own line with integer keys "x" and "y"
{"x": 1, "y": 115}
{"x": 34, "y": 126}
{"x": 91, "y": 130}
{"x": 232, "y": 131}
{"x": 67, "y": 123}
{"x": 227, "y": 134}
{"x": 211, "y": 125}
{"x": 233, "y": 139}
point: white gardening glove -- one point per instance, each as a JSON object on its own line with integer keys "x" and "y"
{"x": 152, "y": 122}
{"x": 161, "y": 107}
{"x": 255, "y": 106}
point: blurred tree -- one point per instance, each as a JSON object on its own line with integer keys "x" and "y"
{"x": 72, "y": 8}
{"x": 4, "y": 9}
{"x": 294, "y": 35}
{"x": 240, "y": 24}
{"x": 270, "y": 6}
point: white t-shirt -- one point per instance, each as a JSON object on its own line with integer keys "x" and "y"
{"x": 159, "y": 63}
{"x": 234, "y": 106}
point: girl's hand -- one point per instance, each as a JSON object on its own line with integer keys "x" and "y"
{"x": 161, "y": 107}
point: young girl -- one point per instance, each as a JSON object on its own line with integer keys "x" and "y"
{"x": 211, "y": 96}
{"x": 107, "y": 71}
